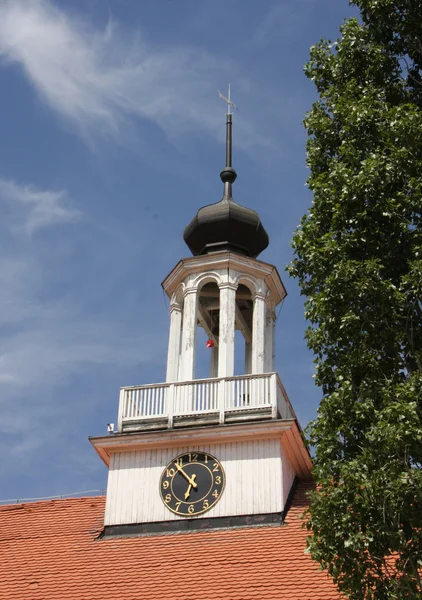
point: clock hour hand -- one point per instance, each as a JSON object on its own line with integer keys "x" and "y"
{"x": 187, "y": 493}
{"x": 190, "y": 480}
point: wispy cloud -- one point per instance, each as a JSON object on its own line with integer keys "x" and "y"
{"x": 32, "y": 209}
{"x": 269, "y": 21}
{"x": 62, "y": 343}
{"x": 46, "y": 345}
{"x": 48, "y": 334}
{"x": 285, "y": 18}
{"x": 99, "y": 78}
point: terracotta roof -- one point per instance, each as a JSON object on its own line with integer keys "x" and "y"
{"x": 50, "y": 551}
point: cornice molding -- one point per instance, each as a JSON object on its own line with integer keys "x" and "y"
{"x": 226, "y": 260}
{"x": 170, "y": 438}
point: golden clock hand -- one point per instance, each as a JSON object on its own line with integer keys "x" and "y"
{"x": 191, "y": 480}
{"x": 187, "y": 493}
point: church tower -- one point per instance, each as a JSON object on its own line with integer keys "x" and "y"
{"x": 223, "y": 451}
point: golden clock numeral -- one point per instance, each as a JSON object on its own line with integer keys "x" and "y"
{"x": 206, "y": 458}
{"x": 179, "y": 462}
{"x": 168, "y": 498}
{"x": 171, "y": 472}
{"x": 165, "y": 484}
{"x": 206, "y": 504}
{"x": 216, "y": 467}
{"x": 215, "y": 494}
{"x": 193, "y": 457}
{"x": 178, "y": 505}
{"x": 191, "y": 509}
{"x": 218, "y": 480}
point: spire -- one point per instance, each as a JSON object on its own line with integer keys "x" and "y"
{"x": 228, "y": 175}
{"x": 226, "y": 225}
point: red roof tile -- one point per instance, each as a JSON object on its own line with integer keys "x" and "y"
{"x": 50, "y": 551}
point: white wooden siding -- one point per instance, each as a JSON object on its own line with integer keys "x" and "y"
{"x": 287, "y": 477}
{"x": 254, "y": 481}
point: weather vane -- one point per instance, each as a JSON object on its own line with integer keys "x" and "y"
{"x": 227, "y": 99}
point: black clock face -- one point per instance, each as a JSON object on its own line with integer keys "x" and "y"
{"x": 192, "y": 483}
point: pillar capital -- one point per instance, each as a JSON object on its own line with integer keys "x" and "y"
{"x": 189, "y": 290}
{"x": 175, "y": 307}
{"x": 227, "y": 285}
{"x": 260, "y": 295}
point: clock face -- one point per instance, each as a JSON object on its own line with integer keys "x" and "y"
{"x": 192, "y": 483}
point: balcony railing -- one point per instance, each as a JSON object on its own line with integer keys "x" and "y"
{"x": 203, "y": 401}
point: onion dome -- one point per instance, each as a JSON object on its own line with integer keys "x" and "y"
{"x": 226, "y": 225}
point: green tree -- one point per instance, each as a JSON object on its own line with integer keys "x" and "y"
{"x": 358, "y": 261}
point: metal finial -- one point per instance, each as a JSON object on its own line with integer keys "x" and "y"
{"x": 227, "y": 99}
{"x": 228, "y": 175}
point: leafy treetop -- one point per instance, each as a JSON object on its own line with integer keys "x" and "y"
{"x": 358, "y": 260}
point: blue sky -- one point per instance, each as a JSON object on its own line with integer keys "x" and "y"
{"x": 111, "y": 138}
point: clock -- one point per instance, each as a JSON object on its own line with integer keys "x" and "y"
{"x": 192, "y": 483}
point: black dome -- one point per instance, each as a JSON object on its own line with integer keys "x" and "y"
{"x": 226, "y": 225}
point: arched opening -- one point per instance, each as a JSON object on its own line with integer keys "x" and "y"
{"x": 208, "y": 331}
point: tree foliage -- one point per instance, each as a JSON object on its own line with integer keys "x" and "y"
{"x": 358, "y": 260}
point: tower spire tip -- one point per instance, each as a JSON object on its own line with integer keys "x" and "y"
{"x": 228, "y": 174}
{"x": 228, "y": 101}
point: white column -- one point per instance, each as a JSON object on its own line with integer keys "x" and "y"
{"x": 258, "y": 333}
{"x": 269, "y": 339}
{"x": 188, "y": 349}
{"x": 174, "y": 342}
{"x": 226, "y": 329}
{"x": 248, "y": 357}
{"x": 214, "y": 362}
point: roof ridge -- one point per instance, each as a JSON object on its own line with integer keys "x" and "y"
{"x": 36, "y": 503}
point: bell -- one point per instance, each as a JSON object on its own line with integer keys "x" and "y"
{"x": 210, "y": 344}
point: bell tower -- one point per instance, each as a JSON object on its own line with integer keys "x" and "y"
{"x": 224, "y": 288}
{"x": 223, "y": 451}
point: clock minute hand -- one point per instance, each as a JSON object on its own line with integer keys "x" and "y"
{"x": 191, "y": 480}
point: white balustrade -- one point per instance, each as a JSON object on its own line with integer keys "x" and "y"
{"x": 143, "y": 401}
{"x": 196, "y": 396}
{"x": 219, "y": 396}
{"x": 248, "y": 391}
{"x": 285, "y": 409}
